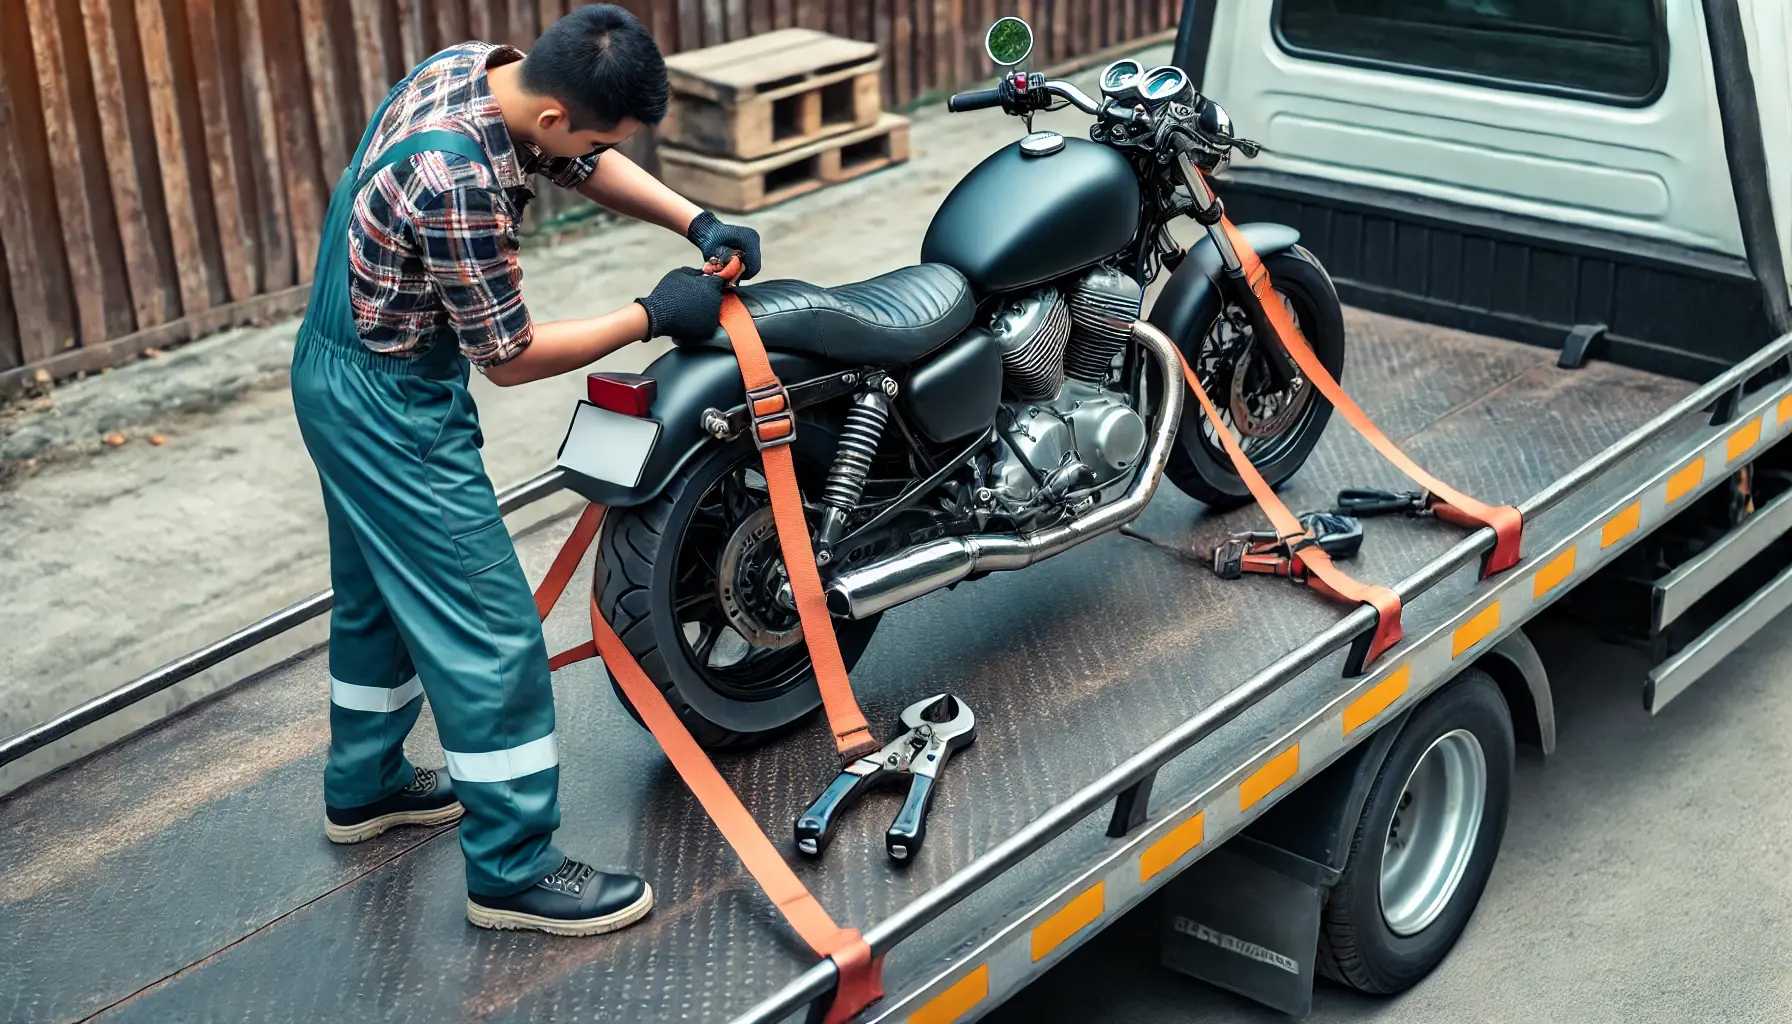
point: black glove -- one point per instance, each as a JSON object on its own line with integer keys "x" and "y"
{"x": 685, "y": 305}
{"x": 717, "y": 240}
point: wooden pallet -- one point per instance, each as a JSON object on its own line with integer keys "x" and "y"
{"x": 740, "y": 186}
{"x": 771, "y": 93}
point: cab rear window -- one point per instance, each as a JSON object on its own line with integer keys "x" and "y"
{"x": 1612, "y": 51}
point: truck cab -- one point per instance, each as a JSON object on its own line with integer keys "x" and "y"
{"x": 1528, "y": 169}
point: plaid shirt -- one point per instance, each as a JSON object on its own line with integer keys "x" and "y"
{"x": 433, "y": 239}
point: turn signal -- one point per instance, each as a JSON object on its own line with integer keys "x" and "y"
{"x": 631, "y": 394}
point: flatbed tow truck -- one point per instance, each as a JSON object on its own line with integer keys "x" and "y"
{"x": 181, "y": 874}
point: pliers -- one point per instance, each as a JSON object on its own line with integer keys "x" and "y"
{"x": 938, "y": 727}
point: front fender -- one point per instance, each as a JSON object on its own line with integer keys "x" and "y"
{"x": 689, "y": 381}
{"x": 1191, "y": 298}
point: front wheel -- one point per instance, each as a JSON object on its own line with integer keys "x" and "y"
{"x": 694, "y": 584}
{"x": 1277, "y": 428}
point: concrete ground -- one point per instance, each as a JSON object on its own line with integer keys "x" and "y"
{"x": 1642, "y": 877}
{"x": 120, "y": 559}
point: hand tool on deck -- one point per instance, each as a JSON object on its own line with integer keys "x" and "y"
{"x": 937, "y": 728}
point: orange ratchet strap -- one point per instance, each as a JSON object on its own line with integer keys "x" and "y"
{"x": 861, "y": 974}
{"x": 774, "y": 427}
{"x": 1445, "y": 501}
{"x": 1308, "y": 562}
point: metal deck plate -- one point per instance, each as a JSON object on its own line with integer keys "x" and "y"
{"x": 183, "y": 874}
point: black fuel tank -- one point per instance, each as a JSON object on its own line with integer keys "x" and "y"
{"x": 1016, "y": 221}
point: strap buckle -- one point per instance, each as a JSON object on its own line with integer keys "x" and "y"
{"x": 774, "y": 424}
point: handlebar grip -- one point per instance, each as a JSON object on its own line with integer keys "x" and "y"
{"x": 980, "y": 99}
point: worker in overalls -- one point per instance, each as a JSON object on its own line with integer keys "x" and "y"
{"x": 417, "y": 281}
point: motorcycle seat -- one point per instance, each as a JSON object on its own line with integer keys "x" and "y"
{"x": 891, "y": 319}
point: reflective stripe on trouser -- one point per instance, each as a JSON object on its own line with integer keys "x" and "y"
{"x": 426, "y": 579}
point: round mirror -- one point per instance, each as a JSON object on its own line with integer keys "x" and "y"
{"x": 1009, "y": 41}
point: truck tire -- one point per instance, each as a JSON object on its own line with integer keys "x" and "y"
{"x": 1425, "y": 843}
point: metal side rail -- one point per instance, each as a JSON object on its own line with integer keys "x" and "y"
{"x": 1678, "y": 591}
{"x": 1148, "y": 852}
{"x": 1671, "y": 678}
{"x": 187, "y": 666}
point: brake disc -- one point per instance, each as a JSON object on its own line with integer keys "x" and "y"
{"x": 1259, "y": 413}
{"x": 754, "y": 588}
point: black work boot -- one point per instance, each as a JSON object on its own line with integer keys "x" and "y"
{"x": 577, "y": 899}
{"x": 428, "y": 800}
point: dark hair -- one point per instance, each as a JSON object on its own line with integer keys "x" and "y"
{"x": 603, "y": 64}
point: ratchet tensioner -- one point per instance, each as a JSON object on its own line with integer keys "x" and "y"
{"x": 1339, "y": 536}
{"x": 938, "y": 727}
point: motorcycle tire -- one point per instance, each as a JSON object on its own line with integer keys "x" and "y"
{"x": 1199, "y": 467}
{"x": 635, "y": 589}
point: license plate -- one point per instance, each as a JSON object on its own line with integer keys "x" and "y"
{"x": 607, "y": 445}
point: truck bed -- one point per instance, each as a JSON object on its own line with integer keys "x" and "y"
{"x": 182, "y": 874}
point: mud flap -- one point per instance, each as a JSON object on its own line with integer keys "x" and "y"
{"x": 1246, "y": 918}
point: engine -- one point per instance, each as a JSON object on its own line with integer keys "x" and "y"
{"x": 1065, "y": 432}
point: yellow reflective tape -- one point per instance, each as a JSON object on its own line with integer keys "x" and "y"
{"x": 1682, "y": 483}
{"x": 1263, "y": 781}
{"x": 1475, "y": 630}
{"x": 1621, "y": 525}
{"x": 1364, "y": 709}
{"x": 1051, "y": 933}
{"x": 1551, "y": 576}
{"x": 1744, "y": 439}
{"x": 1786, "y": 409}
{"x": 952, "y": 1004}
{"x": 1169, "y": 848}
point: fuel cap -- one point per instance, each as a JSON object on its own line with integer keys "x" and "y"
{"x": 1041, "y": 144}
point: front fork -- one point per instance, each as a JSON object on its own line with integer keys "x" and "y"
{"x": 1236, "y": 287}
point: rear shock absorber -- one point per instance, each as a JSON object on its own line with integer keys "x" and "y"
{"x": 859, "y": 438}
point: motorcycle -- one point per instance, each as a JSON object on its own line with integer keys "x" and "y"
{"x": 986, "y": 409}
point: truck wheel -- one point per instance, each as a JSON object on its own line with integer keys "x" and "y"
{"x": 1426, "y": 842}
{"x": 691, "y": 580}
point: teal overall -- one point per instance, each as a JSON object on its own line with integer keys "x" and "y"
{"x": 430, "y": 598}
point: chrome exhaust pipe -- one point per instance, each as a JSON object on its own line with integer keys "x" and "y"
{"x": 902, "y": 577}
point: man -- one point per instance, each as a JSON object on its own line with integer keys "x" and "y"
{"x": 416, "y": 281}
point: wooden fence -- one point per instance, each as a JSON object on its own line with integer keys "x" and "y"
{"x": 165, "y": 164}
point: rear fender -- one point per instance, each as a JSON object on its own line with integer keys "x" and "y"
{"x": 1191, "y": 298}
{"x": 689, "y": 381}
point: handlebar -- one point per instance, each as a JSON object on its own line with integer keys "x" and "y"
{"x": 1015, "y": 99}
{"x": 1076, "y": 96}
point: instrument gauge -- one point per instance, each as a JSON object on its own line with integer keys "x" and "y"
{"x": 1119, "y": 75}
{"x": 1164, "y": 84}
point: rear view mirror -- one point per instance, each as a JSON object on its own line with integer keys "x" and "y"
{"x": 1009, "y": 42}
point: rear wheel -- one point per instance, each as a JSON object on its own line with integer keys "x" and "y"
{"x": 1426, "y": 842}
{"x": 1277, "y": 428}
{"x": 694, "y": 584}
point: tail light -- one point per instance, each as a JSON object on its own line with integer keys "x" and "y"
{"x": 631, "y": 394}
